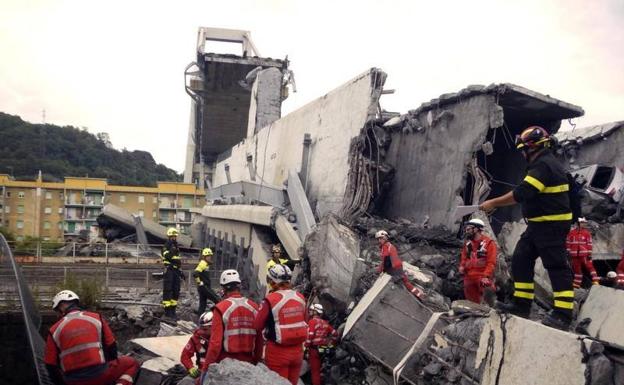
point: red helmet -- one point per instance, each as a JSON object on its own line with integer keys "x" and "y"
{"x": 533, "y": 137}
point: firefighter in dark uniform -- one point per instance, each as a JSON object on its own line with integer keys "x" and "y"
{"x": 171, "y": 280}
{"x": 202, "y": 279}
{"x": 546, "y": 206}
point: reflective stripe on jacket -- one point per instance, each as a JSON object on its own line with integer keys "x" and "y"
{"x": 288, "y": 310}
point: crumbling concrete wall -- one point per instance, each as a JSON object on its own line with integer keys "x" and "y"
{"x": 604, "y": 307}
{"x": 594, "y": 147}
{"x": 266, "y": 100}
{"x": 430, "y": 156}
{"x": 332, "y": 121}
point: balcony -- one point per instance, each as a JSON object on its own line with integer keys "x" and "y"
{"x": 88, "y": 202}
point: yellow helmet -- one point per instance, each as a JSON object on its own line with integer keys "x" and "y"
{"x": 172, "y": 232}
{"x": 206, "y": 252}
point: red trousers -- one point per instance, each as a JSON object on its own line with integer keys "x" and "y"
{"x": 284, "y": 360}
{"x": 472, "y": 289}
{"x": 580, "y": 263}
{"x": 120, "y": 372}
{"x": 314, "y": 359}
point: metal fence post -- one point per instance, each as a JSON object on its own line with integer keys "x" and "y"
{"x": 106, "y": 252}
{"x": 190, "y": 276}
{"x": 74, "y": 252}
{"x": 64, "y": 276}
{"x": 137, "y": 251}
{"x": 147, "y": 279}
{"x": 107, "y": 276}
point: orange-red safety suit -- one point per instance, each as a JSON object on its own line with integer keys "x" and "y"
{"x": 392, "y": 264}
{"x": 282, "y": 315}
{"x": 82, "y": 346}
{"x": 477, "y": 262}
{"x": 321, "y": 335}
{"x": 579, "y": 246}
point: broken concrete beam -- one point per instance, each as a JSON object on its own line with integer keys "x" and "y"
{"x": 169, "y": 347}
{"x": 388, "y": 322}
{"x": 231, "y": 371}
{"x": 605, "y": 307}
{"x": 333, "y": 250}
{"x": 123, "y": 218}
{"x": 300, "y": 205}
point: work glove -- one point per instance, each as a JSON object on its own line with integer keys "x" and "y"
{"x": 485, "y": 282}
{"x": 194, "y": 372}
{"x": 461, "y": 270}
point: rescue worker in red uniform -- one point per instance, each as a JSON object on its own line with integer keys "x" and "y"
{"x": 282, "y": 317}
{"x": 321, "y": 338}
{"x": 478, "y": 261}
{"x": 196, "y": 347}
{"x": 620, "y": 271}
{"x": 579, "y": 246}
{"x": 232, "y": 334}
{"x": 81, "y": 348}
{"x": 391, "y": 263}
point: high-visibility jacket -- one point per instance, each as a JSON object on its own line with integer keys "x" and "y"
{"x": 77, "y": 341}
{"x": 196, "y": 347}
{"x": 170, "y": 254}
{"x": 320, "y": 333}
{"x": 237, "y": 314}
{"x": 202, "y": 274}
{"x": 390, "y": 261}
{"x": 478, "y": 257}
{"x": 288, "y": 309}
{"x": 579, "y": 243}
{"x": 272, "y": 263}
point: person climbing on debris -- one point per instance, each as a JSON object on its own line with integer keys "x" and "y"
{"x": 321, "y": 339}
{"x": 579, "y": 246}
{"x": 81, "y": 348}
{"x": 282, "y": 317}
{"x": 546, "y": 206}
{"x": 202, "y": 279}
{"x": 610, "y": 280}
{"x": 196, "y": 347}
{"x": 232, "y": 334}
{"x": 477, "y": 261}
{"x": 391, "y": 263}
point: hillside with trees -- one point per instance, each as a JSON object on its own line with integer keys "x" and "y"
{"x": 26, "y": 148}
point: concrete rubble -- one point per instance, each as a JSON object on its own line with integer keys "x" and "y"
{"x": 231, "y": 371}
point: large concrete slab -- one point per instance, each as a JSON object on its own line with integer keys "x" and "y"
{"x": 605, "y": 307}
{"x": 168, "y": 347}
{"x": 332, "y": 121}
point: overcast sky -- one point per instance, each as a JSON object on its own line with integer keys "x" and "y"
{"x": 117, "y": 66}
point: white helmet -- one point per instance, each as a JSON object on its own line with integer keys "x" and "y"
{"x": 317, "y": 307}
{"x": 62, "y": 296}
{"x": 582, "y": 220}
{"x": 476, "y": 222}
{"x": 279, "y": 273}
{"x": 611, "y": 274}
{"x": 229, "y": 276}
{"x": 381, "y": 233}
{"x": 205, "y": 319}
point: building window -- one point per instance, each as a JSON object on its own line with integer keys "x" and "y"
{"x": 19, "y": 224}
{"x": 154, "y": 200}
{"x": 46, "y": 225}
{"x": 8, "y": 194}
{"x": 46, "y": 239}
{"x": 7, "y": 209}
{"x": 48, "y": 195}
{"x": 122, "y": 198}
{"x": 48, "y": 210}
{"x": 19, "y": 238}
{"x": 60, "y": 210}
{"x": 141, "y": 213}
{"x": 60, "y": 225}
{"x": 61, "y": 196}
{"x": 141, "y": 199}
{"x": 20, "y": 209}
{"x": 154, "y": 214}
{"x": 21, "y": 194}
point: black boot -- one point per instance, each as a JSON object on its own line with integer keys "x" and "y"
{"x": 558, "y": 320}
{"x": 516, "y": 307}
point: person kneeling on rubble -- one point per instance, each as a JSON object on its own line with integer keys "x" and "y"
{"x": 282, "y": 317}
{"x": 321, "y": 339}
{"x": 478, "y": 261}
{"x": 546, "y": 206}
{"x": 391, "y": 263}
{"x": 232, "y": 334}
{"x": 202, "y": 279}
{"x": 81, "y": 348}
{"x": 197, "y": 346}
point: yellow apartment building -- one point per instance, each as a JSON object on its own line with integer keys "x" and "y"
{"x": 56, "y": 211}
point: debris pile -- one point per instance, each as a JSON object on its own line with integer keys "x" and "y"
{"x": 231, "y": 371}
